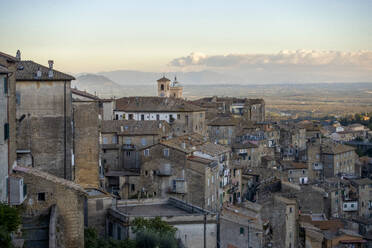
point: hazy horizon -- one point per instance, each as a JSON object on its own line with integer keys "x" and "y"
{"x": 271, "y": 41}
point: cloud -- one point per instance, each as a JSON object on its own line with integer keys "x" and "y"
{"x": 287, "y": 65}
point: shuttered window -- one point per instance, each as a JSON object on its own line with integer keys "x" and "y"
{"x": 5, "y": 85}
{"x": 6, "y": 131}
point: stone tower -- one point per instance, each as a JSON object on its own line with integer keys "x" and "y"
{"x": 176, "y": 89}
{"x": 164, "y": 87}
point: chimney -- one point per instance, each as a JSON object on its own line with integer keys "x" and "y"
{"x": 38, "y": 73}
{"x": 50, "y": 72}
{"x": 18, "y": 55}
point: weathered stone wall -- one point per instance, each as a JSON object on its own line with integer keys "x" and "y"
{"x": 46, "y": 124}
{"x": 3, "y": 141}
{"x": 86, "y": 143}
{"x": 97, "y": 211}
{"x": 70, "y": 205}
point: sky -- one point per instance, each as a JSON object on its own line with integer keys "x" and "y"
{"x": 329, "y": 39}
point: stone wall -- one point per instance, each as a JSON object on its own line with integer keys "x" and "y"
{"x": 46, "y": 124}
{"x": 86, "y": 143}
{"x": 42, "y": 193}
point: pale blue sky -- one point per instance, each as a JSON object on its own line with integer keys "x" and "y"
{"x": 102, "y": 35}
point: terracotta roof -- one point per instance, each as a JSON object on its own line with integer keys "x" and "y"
{"x": 26, "y": 71}
{"x": 163, "y": 79}
{"x": 3, "y": 70}
{"x": 186, "y": 143}
{"x": 131, "y": 127}
{"x": 49, "y": 177}
{"x": 200, "y": 160}
{"x": 226, "y": 120}
{"x": 335, "y": 148}
{"x": 323, "y": 224}
{"x": 244, "y": 145}
{"x": 9, "y": 57}
{"x": 155, "y": 104}
{"x": 362, "y": 181}
{"x": 84, "y": 94}
{"x": 291, "y": 165}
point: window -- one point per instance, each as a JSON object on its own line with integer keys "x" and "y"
{"x": 132, "y": 187}
{"x": 114, "y": 139}
{"x": 24, "y": 190}
{"x": 143, "y": 142}
{"x": 5, "y": 85}
{"x": 241, "y": 231}
{"x": 110, "y": 229}
{"x": 130, "y": 116}
{"x": 119, "y": 232}
{"x": 128, "y": 153}
{"x": 6, "y": 131}
{"x": 208, "y": 182}
{"x": 212, "y": 179}
{"x": 142, "y": 117}
{"x": 18, "y": 98}
{"x": 303, "y": 171}
{"x": 290, "y": 210}
{"x": 128, "y": 141}
{"x": 162, "y": 87}
{"x": 146, "y": 173}
{"x": 146, "y": 152}
{"x": 158, "y": 117}
{"x": 99, "y": 204}
{"x": 166, "y": 152}
{"x": 178, "y": 116}
{"x": 41, "y": 196}
{"x": 201, "y": 115}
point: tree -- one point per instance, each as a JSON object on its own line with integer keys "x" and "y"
{"x": 10, "y": 219}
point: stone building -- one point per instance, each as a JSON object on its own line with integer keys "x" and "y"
{"x": 196, "y": 227}
{"x": 121, "y": 141}
{"x": 182, "y": 116}
{"x": 87, "y": 165}
{"x": 249, "y": 109}
{"x": 53, "y": 213}
{"x": 242, "y": 226}
{"x": 247, "y": 154}
{"x": 222, "y": 129}
{"x": 296, "y": 171}
{"x": 292, "y": 142}
{"x": 7, "y": 122}
{"x": 363, "y": 188}
{"x": 338, "y": 159}
{"x": 44, "y": 111}
{"x": 166, "y": 88}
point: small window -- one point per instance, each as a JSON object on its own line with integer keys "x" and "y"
{"x": 130, "y": 116}
{"x": 143, "y": 142}
{"x": 99, "y": 204}
{"x": 119, "y": 232}
{"x": 132, "y": 187}
{"x": 166, "y": 152}
{"x": 6, "y": 131}
{"x": 18, "y": 98}
{"x": 178, "y": 116}
{"x": 242, "y": 231}
{"x": 5, "y": 86}
{"x": 146, "y": 152}
{"x": 158, "y": 117}
{"x": 146, "y": 173}
{"x": 41, "y": 196}
{"x": 142, "y": 117}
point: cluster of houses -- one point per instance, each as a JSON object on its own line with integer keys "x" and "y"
{"x": 213, "y": 167}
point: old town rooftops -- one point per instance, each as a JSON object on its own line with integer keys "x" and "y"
{"x": 30, "y": 71}
{"x": 335, "y": 148}
{"x": 49, "y": 177}
{"x": 155, "y": 104}
{"x": 291, "y": 165}
{"x": 195, "y": 142}
{"x": 132, "y": 127}
{"x": 231, "y": 100}
{"x": 223, "y": 120}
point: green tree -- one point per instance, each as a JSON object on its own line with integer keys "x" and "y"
{"x": 10, "y": 219}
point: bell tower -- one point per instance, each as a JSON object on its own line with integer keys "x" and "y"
{"x": 164, "y": 87}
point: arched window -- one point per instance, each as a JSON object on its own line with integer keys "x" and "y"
{"x": 162, "y": 87}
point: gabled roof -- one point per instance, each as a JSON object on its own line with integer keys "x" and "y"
{"x": 50, "y": 177}
{"x": 8, "y": 57}
{"x": 335, "y": 148}
{"x": 27, "y": 70}
{"x": 131, "y": 127}
{"x": 163, "y": 79}
{"x": 84, "y": 94}
{"x": 226, "y": 120}
{"x": 155, "y": 104}
{"x": 185, "y": 143}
